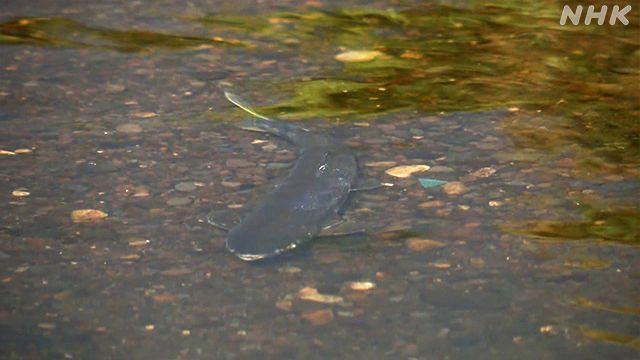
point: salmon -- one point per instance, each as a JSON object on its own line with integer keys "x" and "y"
{"x": 296, "y": 210}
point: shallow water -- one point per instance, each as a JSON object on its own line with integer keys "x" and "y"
{"x": 529, "y": 249}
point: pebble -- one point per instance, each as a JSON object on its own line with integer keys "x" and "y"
{"x": 185, "y": 186}
{"x": 115, "y": 88}
{"x": 454, "y": 188}
{"x": 290, "y": 270}
{"x": 140, "y": 191}
{"x": 231, "y": 184}
{"x": 477, "y": 262}
{"x": 440, "y": 265}
{"x": 484, "y": 172}
{"x": 420, "y": 244}
{"x": 20, "y": 193}
{"x": 144, "y": 114}
{"x": 23, "y": 151}
{"x": 441, "y": 169}
{"x": 87, "y": 215}
{"x": 319, "y": 317}
{"x": 361, "y": 285}
{"x": 405, "y": 171}
{"x": 430, "y": 204}
{"x": 164, "y": 298}
{"x": 129, "y": 128}
{"x": 178, "y": 201}
{"x": 358, "y": 55}
{"x": 284, "y": 304}
{"x": 176, "y": 271}
{"x": 277, "y": 165}
{"x": 311, "y": 294}
{"x": 427, "y": 183}
{"x": 239, "y": 163}
{"x": 136, "y": 242}
{"x": 380, "y": 164}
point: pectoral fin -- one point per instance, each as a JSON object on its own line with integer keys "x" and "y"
{"x": 211, "y": 219}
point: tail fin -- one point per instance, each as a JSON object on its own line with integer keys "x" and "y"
{"x": 265, "y": 124}
{"x": 235, "y": 100}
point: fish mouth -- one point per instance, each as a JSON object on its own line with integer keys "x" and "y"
{"x": 247, "y": 256}
{"x": 251, "y": 257}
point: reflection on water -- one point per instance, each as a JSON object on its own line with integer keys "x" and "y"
{"x": 525, "y": 242}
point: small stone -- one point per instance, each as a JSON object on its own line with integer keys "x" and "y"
{"x": 129, "y": 128}
{"x": 164, "y": 298}
{"x": 440, "y": 265}
{"x": 20, "y": 193}
{"x": 319, "y": 317}
{"x": 176, "y": 271}
{"x": 21, "y": 269}
{"x": 149, "y": 327}
{"x": 430, "y": 204}
{"x": 178, "y": 201}
{"x": 419, "y": 244}
{"x": 358, "y": 55}
{"x": 87, "y": 215}
{"x": 239, "y": 163}
{"x": 440, "y": 169}
{"x": 144, "y": 114}
{"x": 427, "y": 183}
{"x": 380, "y": 164}
{"x": 47, "y": 326}
{"x": 477, "y": 262}
{"x": 23, "y": 151}
{"x": 186, "y": 332}
{"x": 290, "y": 270}
{"x": 614, "y": 178}
{"x": 140, "y": 191}
{"x": 495, "y": 203}
{"x": 454, "y": 188}
{"x": 130, "y": 257}
{"x": 6, "y": 152}
{"x": 284, "y": 304}
{"x": 405, "y": 171}
{"x": 115, "y": 88}
{"x": 484, "y": 172}
{"x": 231, "y": 184}
{"x": 548, "y": 329}
{"x": 185, "y": 186}
{"x": 443, "y": 332}
{"x": 277, "y": 165}
{"x": 361, "y": 285}
{"x": 138, "y": 242}
{"x": 311, "y": 294}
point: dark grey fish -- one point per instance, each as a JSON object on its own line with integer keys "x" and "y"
{"x": 296, "y": 210}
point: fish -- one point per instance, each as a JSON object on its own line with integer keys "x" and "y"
{"x": 295, "y": 211}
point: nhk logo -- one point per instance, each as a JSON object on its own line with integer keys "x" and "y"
{"x": 617, "y": 14}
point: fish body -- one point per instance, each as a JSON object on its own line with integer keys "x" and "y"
{"x": 295, "y": 211}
